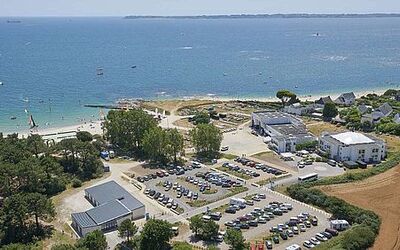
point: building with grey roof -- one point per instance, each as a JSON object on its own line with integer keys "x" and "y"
{"x": 285, "y": 130}
{"x": 112, "y": 205}
{"x": 346, "y": 99}
{"x": 352, "y": 146}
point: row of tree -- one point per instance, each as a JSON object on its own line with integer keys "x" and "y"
{"x": 134, "y": 132}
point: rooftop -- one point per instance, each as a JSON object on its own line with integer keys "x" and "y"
{"x": 111, "y": 191}
{"x": 352, "y": 138}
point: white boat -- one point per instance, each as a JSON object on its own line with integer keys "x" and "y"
{"x": 1, "y": 83}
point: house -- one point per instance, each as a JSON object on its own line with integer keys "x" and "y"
{"x": 346, "y": 99}
{"x": 396, "y": 118}
{"x": 385, "y": 109}
{"x": 352, "y": 146}
{"x": 299, "y": 109}
{"x": 372, "y": 118}
{"x": 363, "y": 108}
{"x": 323, "y": 100}
{"x": 112, "y": 205}
{"x": 285, "y": 130}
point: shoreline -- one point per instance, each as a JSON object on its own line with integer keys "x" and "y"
{"x": 94, "y": 127}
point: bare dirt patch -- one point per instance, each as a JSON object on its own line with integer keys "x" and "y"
{"x": 380, "y": 194}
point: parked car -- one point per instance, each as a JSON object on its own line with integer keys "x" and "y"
{"x": 308, "y": 244}
{"x": 268, "y": 244}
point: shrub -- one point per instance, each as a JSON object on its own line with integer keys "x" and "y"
{"x": 361, "y": 237}
{"x": 76, "y": 183}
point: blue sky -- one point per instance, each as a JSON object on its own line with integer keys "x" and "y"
{"x": 189, "y": 7}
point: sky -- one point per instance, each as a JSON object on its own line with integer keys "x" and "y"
{"x": 190, "y": 7}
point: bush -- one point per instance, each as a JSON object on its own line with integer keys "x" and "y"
{"x": 361, "y": 237}
{"x": 76, "y": 183}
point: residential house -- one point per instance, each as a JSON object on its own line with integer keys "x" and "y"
{"x": 346, "y": 99}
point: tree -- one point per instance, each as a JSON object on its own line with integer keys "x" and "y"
{"x": 285, "y": 96}
{"x": 209, "y": 230}
{"x": 201, "y": 118}
{"x": 330, "y": 111}
{"x": 127, "y": 229}
{"x": 155, "y": 144}
{"x": 156, "y": 235}
{"x": 35, "y": 144}
{"x": 175, "y": 143}
{"x": 40, "y": 207}
{"x": 84, "y": 136}
{"x": 205, "y": 230}
{"x": 126, "y": 129}
{"x": 93, "y": 240}
{"x": 195, "y": 224}
{"x": 235, "y": 239}
{"x": 206, "y": 139}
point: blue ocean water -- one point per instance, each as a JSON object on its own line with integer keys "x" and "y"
{"x": 48, "y": 65}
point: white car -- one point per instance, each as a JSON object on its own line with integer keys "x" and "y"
{"x": 308, "y": 244}
{"x": 314, "y": 241}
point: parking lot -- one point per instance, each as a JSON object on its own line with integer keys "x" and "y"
{"x": 258, "y": 230}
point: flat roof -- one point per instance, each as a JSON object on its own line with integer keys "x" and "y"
{"x": 111, "y": 191}
{"x": 352, "y": 138}
{"x": 107, "y": 212}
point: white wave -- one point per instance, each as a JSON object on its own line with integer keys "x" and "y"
{"x": 334, "y": 58}
{"x": 186, "y": 48}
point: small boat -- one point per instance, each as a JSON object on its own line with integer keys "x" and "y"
{"x": 225, "y": 74}
{"x": 134, "y": 67}
{"x": 296, "y": 87}
{"x": 99, "y": 71}
{"x": 1, "y": 83}
{"x": 14, "y": 21}
{"x": 13, "y": 117}
{"x": 259, "y": 73}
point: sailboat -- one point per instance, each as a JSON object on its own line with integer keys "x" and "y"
{"x": 32, "y": 123}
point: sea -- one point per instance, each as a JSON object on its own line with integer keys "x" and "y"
{"x": 51, "y": 67}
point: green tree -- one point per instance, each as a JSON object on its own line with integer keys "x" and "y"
{"x": 285, "y": 96}
{"x": 235, "y": 239}
{"x": 40, "y": 207}
{"x": 127, "y": 229}
{"x": 201, "y": 118}
{"x": 175, "y": 144}
{"x": 195, "y": 224}
{"x": 36, "y": 144}
{"x": 84, "y": 136}
{"x": 206, "y": 139}
{"x": 209, "y": 230}
{"x": 126, "y": 129}
{"x": 156, "y": 235}
{"x": 155, "y": 144}
{"x": 93, "y": 240}
{"x": 330, "y": 111}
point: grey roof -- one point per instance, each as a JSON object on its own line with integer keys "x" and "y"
{"x": 109, "y": 211}
{"x": 385, "y": 108}
{"x": 348, "y": 96}
{"x": 83, "y": 219}
{"x": 324, "y": 100}
{"x": 114, "y": 202}
{"x": 111, "y": 191}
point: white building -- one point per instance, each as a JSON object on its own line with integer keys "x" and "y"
{"x": 352, "y": 146}
{"x": 285, "y": 131}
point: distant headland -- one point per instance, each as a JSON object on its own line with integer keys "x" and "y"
{"x": 237, "y": 16}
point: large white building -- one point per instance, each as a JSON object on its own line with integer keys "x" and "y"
{"x": 285, "y": 130}
{"x": 352, "y": 146}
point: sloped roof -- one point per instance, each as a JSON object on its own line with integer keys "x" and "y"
{"x": 385, "y": 108}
